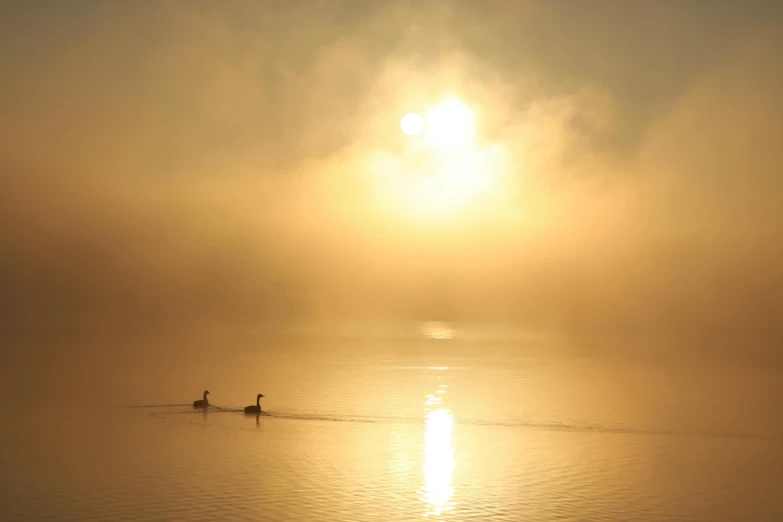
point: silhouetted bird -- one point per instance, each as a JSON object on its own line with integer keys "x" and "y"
{"x": 257, "y": 407}
{"x": 202, "y": 403}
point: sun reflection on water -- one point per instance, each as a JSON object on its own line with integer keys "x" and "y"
{"x": 437, "y": 330}
{"x": 439, "y": 463}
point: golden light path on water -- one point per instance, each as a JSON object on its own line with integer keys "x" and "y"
{"x": 439, "y": 460}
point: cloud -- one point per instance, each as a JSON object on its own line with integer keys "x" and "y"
{"x": 166, "y": 166}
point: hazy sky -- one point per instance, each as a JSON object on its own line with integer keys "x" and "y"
{"x": 164, "y": 163}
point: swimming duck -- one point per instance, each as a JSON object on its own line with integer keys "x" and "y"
{"x": 257, "y": 407}
{"x": 202, "y": 403}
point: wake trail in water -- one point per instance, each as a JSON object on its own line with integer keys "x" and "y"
{"x": 157, "y": 405}
{"x": 223, "y": 409}
{"x": 564, "y": 427}
{"x": 330, "y": 418}
{"x": 211, "y": 408}
{"x": 587, "y": 428}
{"x": 518, "y": 424}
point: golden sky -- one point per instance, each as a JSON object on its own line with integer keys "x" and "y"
{"x": 167, "y": 162}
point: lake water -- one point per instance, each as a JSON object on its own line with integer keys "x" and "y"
{"x": 387, "y": 428}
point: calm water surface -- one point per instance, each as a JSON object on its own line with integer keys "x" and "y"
{"x": 394, "y": 429}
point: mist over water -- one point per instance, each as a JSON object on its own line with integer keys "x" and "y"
{"x": 394, "y": 426}
{"x": 147, "y": 190}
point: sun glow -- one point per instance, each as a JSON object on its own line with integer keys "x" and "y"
{"x": 451, "y": 181}
{"x": 445, "y": 168}
{"x": 451, "y": 124}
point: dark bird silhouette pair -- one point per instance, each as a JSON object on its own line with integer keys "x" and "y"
{"x": 204, "y": 403}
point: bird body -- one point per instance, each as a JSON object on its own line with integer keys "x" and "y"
{"x": 255, "y": 408}
{"x": 202, "y": 403}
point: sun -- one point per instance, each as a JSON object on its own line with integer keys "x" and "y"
{"x": 451, "y": 124}
{"x": 412, "y": 124}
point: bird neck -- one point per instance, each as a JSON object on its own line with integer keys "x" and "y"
{"x": 258, "y": 401}
{"x": 205, "y": 397}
